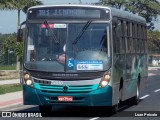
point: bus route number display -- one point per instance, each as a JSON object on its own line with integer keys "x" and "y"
{"x": 64, "y": 12}
{"x": 68, "y": 13}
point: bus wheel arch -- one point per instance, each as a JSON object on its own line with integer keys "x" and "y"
{"x": 121, "y": 89}
{"x": 139, "y": 79}
{"x": 115, "y": 107}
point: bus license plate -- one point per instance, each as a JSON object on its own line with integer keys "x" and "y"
{"x": 65, "y": 98}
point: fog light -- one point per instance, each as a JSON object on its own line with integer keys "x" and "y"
{"x": 104, "y": 83}
{"x": 26, "y": 76}
{"x": 29, "y": 82}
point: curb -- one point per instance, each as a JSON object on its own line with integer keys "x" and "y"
{"x": 10, "y": 103}
{"x": 150, "y": 69}
{"x": 153, "y": 68}
{"x": 7, "y": 82}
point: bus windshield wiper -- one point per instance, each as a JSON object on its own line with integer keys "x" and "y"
{"x": 52, "y": 33}
{"x": 82, "y": 32}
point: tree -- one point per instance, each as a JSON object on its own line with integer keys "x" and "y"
{"x": 10, "y": 42}
{"x": 113, "y": 3}
{"x": 9, "y": 45}
{"x": 19, "y": 5}
{"x": 6, "y": 4}
{"x": 153, "y": 40}
{"x": 149, "y": 9}
{"x": 23, "y": 5}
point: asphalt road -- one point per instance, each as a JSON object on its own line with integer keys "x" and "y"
{"x": 149, "y": 105}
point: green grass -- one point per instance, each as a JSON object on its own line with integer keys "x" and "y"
{"x": 7, "y": 67}
{"x": 10, "y": 88}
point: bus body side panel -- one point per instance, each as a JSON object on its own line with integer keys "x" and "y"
{"x": 118, "y": 72}
{"x": 126, "y": 65}
{"x": 114, "y": 72}
{"x": 136, "y": 65}
{"x": 130, "y": 81}
{"x": 143, "y": 72}
{"x": 118, "y": 67}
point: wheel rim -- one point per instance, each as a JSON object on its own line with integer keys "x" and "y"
{"x": 137, "y": 93}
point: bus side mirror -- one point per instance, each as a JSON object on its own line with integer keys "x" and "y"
{"x": 20, "y": 35}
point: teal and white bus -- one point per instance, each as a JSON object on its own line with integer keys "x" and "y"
{"x": 83, "y": 55}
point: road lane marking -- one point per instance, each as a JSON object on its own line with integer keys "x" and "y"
{"x": 157, "y": 90}
{"x": 94, "y": 118}
{"x": 152, "y": 69}
{"x": 144, "y": 97}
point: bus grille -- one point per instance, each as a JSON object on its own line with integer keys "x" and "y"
{"x": 45, "y": 86}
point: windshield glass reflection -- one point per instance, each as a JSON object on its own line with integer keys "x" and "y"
{"x": 89, "y": 51}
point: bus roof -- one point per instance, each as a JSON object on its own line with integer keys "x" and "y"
{"x": 114, "y": 12}
{"x": 127, "y": 15}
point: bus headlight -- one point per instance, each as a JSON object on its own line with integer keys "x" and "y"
{"x": 107, "y": 77}
{"x": 105, "y": 81}
{"x": 26, "y": 76}
{"x": 28, "y": 80}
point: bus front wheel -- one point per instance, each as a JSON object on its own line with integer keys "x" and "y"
{"x": 114, "y": 108}
{"x": 135, "y": 99}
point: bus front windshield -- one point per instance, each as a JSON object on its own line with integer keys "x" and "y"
{"x": 73, "y": 47}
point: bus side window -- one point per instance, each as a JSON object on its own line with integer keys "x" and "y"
{"x": 121, "y": 36}
{"x": 145, "y": 39}
{"x": 133, "y": 38}
{"x": 116, "y": 40}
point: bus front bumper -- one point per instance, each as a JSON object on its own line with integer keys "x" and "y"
{"x": 99, "y": 97}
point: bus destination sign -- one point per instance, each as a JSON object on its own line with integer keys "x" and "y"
{"x": 68, "y": 13}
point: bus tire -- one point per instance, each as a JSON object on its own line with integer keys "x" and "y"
{"x": 114, "y": 108}
{"x": 135, "y": 99}
{"x": 120, "y": 91}
{"x": 45, "y": 110}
